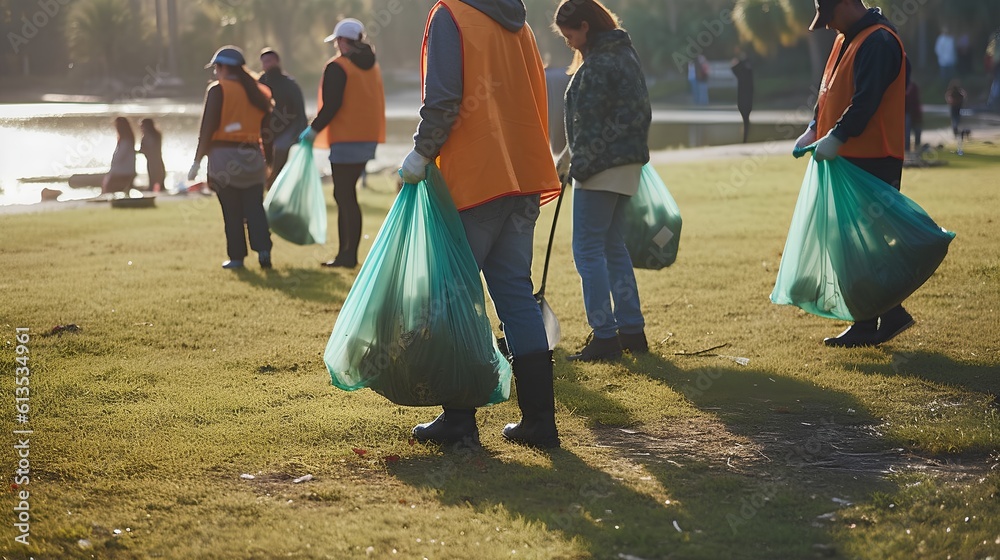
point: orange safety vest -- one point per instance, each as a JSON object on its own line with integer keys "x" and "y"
{"x": 361, "y": 117}
{"x": 884, "y": 135}
{"x": 240, "y": 121}
{"x": 499, "y": 145}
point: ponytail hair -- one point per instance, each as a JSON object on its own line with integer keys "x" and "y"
{"x": 249, "y": 83}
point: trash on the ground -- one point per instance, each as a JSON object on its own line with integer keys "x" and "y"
{"x": 246, "y": 476}
{"x": 301, "y": 479}
{"x": 704, "y": 352}
{"x": 842, "y": 502}
{"x": 84, "y": 544}
{"x": 739, "y": 360}
{"x": 59, "y": 329}
{"x": 678, "y": 527}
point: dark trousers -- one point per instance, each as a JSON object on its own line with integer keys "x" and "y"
{"x": 345, "y": 194}
{"x": 239, "y": 206}
{"x": 278, "y": 161}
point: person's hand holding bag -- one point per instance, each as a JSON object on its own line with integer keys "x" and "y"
{"x": 414, "y": 167}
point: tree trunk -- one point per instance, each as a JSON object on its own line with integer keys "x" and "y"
{"x": 172, "y": 25}
{"x": 159, "y": 31}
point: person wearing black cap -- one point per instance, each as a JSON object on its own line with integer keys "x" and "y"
{"x": 236, "y": 110}
{"x": 288, "y": 119}
{"x": 861, "y": 111}
{"x": 351, "y": 122}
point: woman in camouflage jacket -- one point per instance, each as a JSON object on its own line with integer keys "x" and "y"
{"x": 607, "y": 128}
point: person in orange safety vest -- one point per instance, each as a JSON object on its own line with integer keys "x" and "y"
{"x": 351, "y": 123}
{"x": 862, "y": 113}
{"x": 484, "y": 120}
{"x": 236, "y": 109}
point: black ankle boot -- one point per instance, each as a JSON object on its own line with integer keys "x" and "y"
{"x": 599, "y": 350}
{"x": 634, "y": 343}
{"x": 893, "y": 322}
{"x": 453, "y": 426}
{"x": 858, "y": 335}
{"x": 536, "y": 398}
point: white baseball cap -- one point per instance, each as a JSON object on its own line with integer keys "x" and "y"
{"x": 348, "y": 28}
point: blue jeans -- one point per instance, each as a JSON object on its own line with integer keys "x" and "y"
{"x": 604, "y": 264}
{"x": 501, "y": 234}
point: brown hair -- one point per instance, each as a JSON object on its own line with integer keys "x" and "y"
{"x": 257, "y": 97}
{"x": 571, "y": 14}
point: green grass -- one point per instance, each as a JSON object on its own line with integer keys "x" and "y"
{"x": 186, "y": 376}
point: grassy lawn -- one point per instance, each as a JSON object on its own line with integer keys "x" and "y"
{"x": 186, "y": 376}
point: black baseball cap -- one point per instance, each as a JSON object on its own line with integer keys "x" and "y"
{"x": 824, "y": 13}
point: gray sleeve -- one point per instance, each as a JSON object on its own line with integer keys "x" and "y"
{"x": 442, "y": 86}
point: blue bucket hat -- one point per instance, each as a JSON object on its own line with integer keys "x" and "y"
{"x": 228, "y": 55}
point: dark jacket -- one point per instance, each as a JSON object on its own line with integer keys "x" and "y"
{"x": 289, "y": 114}
{"x": 607, "y": 108}
{"x": 876, "y": 67}
{"x": 334, "y": 82}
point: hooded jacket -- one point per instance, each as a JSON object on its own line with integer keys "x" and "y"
{"x": 443, "y": 88}
{"x": 334, "y": 82}
{"x": 607, "y": 108}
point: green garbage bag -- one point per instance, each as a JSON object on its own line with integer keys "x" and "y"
{"x": 295, "y": 207}
{"x": 414, "y": 326}
{"x": 856, "y": 247}
{"x": 653, "y": 230}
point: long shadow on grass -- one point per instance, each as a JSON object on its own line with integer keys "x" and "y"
{"x": 308, "y": 284}
{"x": 810, "y": 448}
{"x": 604, "y": 515}
{"x": 937, "y": 368}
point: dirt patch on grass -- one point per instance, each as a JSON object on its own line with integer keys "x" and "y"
{"x": 796, "y": 446}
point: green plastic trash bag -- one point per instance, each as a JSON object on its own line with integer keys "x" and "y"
{"x": 414, "y": 326}
{"x": 653, "y": 230}
{"x": 295, "y": 207}
{"x": 856, "y": 247}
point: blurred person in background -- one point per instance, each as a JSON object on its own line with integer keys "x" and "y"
{"x": 288, "y": 119}
{"x": 151, "y": 147}
{"x": 237, "y": 108}
{"x": 122, "y": 173}
{"x": 955, "y": 96}
{"x": 351, "y": 122}
{"x": 914, "y": 116}
{"x": 743, "y": 71}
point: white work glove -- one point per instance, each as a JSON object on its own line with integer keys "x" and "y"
{"x": 195, "y": 169}
{"x": 414, "y": 167}
{"x": 828, "y": 148}
{"x": 308, "y": 135}
{"x": 807, "y": 138}
{"x": 562, "y": 166}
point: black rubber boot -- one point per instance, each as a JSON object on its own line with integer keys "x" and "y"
{"x": 453, "y": 426}
{"x": 536, "y": 398}
{"x": 634, "y": 343}
{"x": 860, "y": 334}
{"x": 598, "y": 350}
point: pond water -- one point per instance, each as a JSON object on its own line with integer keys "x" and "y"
{"x": 44, "y": 144}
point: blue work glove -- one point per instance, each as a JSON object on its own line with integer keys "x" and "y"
{"x": 308, "y": 135}
{"x": 414, "y": 168}
{"x": 828, "y": 148}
